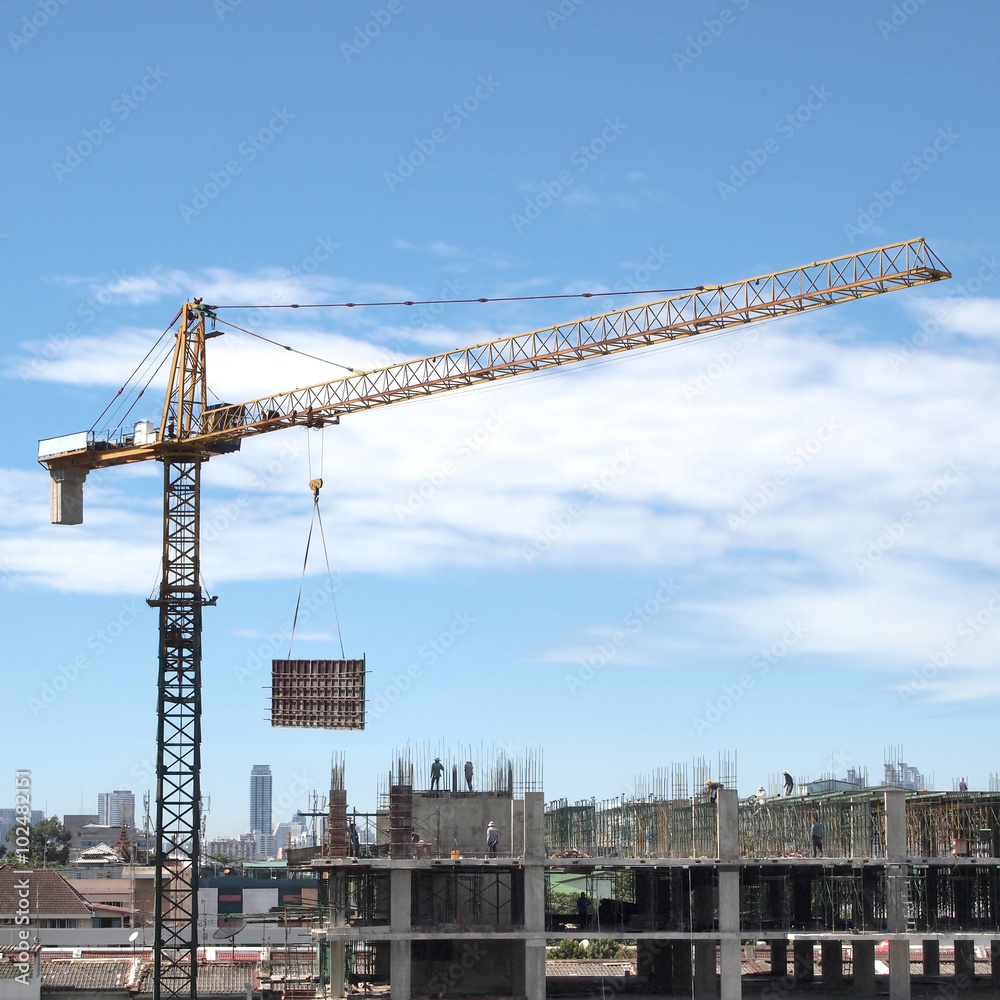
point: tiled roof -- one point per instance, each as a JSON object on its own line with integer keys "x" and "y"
{"x": 608, "y": 968}
{"x": 218, "y": 978}
{"x": 87, "y": 974}
{"x": 48, "y": 893}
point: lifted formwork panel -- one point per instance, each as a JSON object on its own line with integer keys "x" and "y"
{"x": 318, "y": 694}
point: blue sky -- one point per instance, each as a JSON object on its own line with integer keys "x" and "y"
{"x": 252, "y": 152}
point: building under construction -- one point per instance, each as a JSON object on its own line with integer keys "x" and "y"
{"x": 705, "y": 895}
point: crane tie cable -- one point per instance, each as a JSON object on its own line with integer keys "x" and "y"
{"x": 315, "y": 485}
{"x": 445, "y": 302}
{"x": 294, "y": 350}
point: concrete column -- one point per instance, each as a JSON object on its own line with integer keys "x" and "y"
{"x": 896, "y": 893}
{"x": 534, "y": 826}
{"x": 899, "y": 969}
{"x": 534, "y": 969}
{"x": 932, "y": 958}
{"x": 995, "y": 963}
{"x": 517, "y": 828}
{"x": 833, "y": 964}
{"x": 802, "y": 958}
{"x": 534, "y": 895}
{"x": 864, "y": 968}
{"x": 400, "y": 880}
{"x": 706, "y": 983}
{"x": 895, "y": 823}
{"x": 965, "y": 963}
{"x": 728, "y": 818}
{"x": 779, "y": 957}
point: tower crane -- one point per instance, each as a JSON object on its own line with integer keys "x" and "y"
{"x": 191, "y": 432}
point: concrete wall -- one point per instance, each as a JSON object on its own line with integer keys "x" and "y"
{"x": 444, "y": 818}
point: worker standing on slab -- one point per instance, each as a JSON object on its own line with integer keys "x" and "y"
{"x": 761, "y": 797}
{"x": 713, "y": 789}
{"x": 468, "y": 774}
{"x": 583, "y": 910}
{"x": 492, "y": 839}
{"x": 437, "y": 769}
{"x": 789, "y": 784}
{"x": 817, "y": 836}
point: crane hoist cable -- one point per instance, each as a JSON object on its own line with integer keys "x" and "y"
{"x": 317, "y": 518}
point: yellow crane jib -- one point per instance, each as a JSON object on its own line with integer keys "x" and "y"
{"x": 189, "y": 426}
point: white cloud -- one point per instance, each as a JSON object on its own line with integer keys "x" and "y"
{"x": 708, "y": 429}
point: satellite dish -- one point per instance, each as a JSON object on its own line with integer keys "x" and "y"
{"x": 230, "y": 929}
{"x": 133, "y": 936}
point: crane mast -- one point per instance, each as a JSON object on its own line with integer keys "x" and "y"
{"x": 191, "y": 432}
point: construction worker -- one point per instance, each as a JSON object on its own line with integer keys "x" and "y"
{"x": 583, "y": 910}
{"x": 468, "y": 774}
{"x": 761, "y": 797}
{"x": 713, "y": 788}
{"x": 817, "y": 836}
{"x": 492, "y": 839}
{"x": 437, "y": 769}
{"x": 789, "y": 784}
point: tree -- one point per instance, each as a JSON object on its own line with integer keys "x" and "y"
{"x": 48, "y": 843}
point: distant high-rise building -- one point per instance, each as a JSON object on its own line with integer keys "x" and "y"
{"x": 260, "y": 799}
{"x": 116, "y": 808}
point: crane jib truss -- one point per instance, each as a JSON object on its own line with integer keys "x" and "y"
{"x": 191, "y": 432}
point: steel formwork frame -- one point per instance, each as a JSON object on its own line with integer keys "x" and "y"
{"x": 468, "y": 898}
{"x": 178, "y": 735}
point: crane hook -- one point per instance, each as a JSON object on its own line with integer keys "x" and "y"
{"x": 316, "y": 485}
